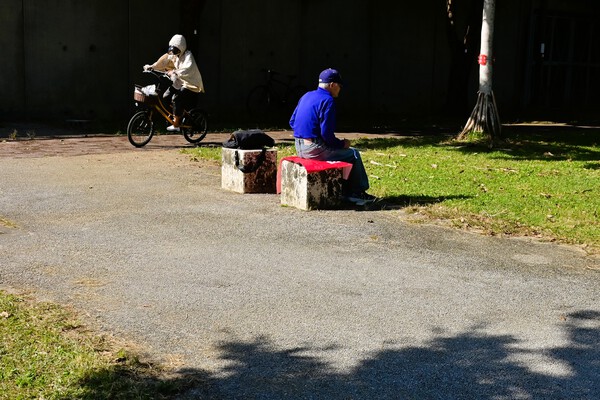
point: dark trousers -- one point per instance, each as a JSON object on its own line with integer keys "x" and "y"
{"x": 182, "y": 99}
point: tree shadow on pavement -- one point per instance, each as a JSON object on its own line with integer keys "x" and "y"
{"x": 469, "y": 365}
{"x": 472, "y": 365}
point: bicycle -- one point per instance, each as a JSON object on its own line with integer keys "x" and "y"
{"x": 140, "y": 128}
{"x": 274, "y": 94}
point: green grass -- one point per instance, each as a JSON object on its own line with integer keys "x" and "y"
{"x": 46, "y": 354}
{"x": 546, "y": 186}
{"x": 550, "y": 192}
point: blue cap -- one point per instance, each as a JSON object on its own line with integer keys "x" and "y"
{"x": 330, "y": 75}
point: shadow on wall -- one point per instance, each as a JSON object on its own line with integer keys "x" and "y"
{"x": 472, "y": 365}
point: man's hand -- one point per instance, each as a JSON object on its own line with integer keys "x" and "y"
{"x": 347, "y": 143}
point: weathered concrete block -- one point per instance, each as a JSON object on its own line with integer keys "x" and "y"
{"x": 308, "y": 191}
{"x": 263, "y": 180}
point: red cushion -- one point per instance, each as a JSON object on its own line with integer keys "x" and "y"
{"x": 313, "y": 166}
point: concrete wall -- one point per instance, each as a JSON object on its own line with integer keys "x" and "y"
{"x": 409, "y": 58}
{"x": 392, "y": 57}
{"x": 239, "y": 39}
{"x": 73, "y": 59}
{"x": 12, "y": 79}
{"x": 79, "y": 60}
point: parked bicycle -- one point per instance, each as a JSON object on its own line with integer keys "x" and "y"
{"x": 275, "y": 94}
{"x": 150, "y": 105}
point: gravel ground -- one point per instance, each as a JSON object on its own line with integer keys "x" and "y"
{"x": 259, "y": 301}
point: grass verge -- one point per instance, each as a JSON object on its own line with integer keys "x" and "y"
{"x": 545, "y": 184}
{"x": 46, "y": 353}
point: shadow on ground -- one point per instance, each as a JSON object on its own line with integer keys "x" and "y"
{"x": 469, "y": 365}
{"x": 529, "y": 142}
{"x": 398, "y": 202}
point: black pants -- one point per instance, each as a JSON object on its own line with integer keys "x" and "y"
{"x": 182, "y": 99}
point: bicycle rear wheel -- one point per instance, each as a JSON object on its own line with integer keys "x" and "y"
{"x": 293, "y": 95}
{"x": 140, "y": 129}
{"x": 199, "y": 125}
{"x": 259, "y": 101}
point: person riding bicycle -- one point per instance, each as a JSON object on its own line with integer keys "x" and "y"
{"x": 180, "y": 65}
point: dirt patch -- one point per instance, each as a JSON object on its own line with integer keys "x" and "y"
{"x": 53, "y": 143}
{"x": 101, "y": 144}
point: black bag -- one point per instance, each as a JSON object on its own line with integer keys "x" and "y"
{"x": 252, "y": 139}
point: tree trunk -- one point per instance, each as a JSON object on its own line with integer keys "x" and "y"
{"x": 484, "y": 118}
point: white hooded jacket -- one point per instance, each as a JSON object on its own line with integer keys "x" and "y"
{"x": 186, "y": 72}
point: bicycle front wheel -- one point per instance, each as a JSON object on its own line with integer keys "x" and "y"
{"x": 140, "y": 129}
{"x": 199, "y": 125}
{"x": 259, "y": 101}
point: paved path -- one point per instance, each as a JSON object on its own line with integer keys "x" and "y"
{"x": 260, "y": 301}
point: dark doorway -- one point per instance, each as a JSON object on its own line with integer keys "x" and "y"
{"x": 564, "y": 64}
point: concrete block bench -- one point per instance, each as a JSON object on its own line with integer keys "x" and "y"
{"x": 238, "y": 172}
{"x": 311, "y": 184}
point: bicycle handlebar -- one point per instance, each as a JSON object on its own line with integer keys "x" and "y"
{"x": 156, "y": 73}
{"x": 272, "y": 75}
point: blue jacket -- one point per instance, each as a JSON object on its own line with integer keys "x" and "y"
{"x": 314, "y": 117}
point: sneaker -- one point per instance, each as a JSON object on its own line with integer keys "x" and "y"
{"x": 369, "y": 198}
{"x": 172, "y": 128}
{"x": 360, "y": 199}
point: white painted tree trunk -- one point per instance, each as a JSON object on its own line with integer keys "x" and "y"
{"x": 484, "y": 118}
{"x": 487, "y": 38}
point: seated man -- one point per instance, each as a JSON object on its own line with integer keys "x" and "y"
{"x": 313, "y": 122}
